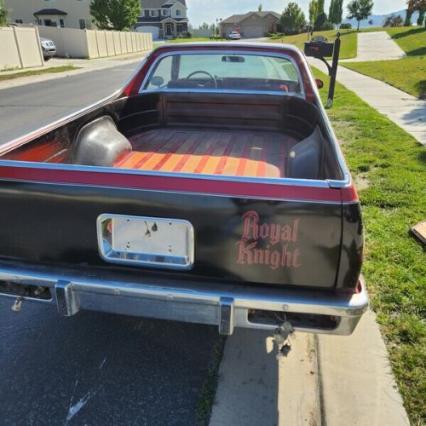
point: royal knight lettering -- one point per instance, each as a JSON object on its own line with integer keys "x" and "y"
{"x": 268, "y": 244}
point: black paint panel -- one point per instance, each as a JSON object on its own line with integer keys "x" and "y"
{"x": 57, "y": 224}
{"x": 352, "y": 247}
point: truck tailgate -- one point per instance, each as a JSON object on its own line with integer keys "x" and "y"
{"x": 242, "y": 238}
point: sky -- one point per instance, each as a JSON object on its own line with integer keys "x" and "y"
{"x": 200, "y": 11}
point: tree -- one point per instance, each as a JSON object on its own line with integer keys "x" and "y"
{"x": 260, "y": 7}
{"x": 360, "y": 10}
{"x": 293, "y": 19}
{"x": 115, "y": 14}
{"x": 336, "y": 12}
{"x": 421, "y": 18}
{"x": 332, "y": 10}
{"x": 408, "y": 16}
{"x": 321, "y": 7}
{"x": 3, "y": 14}
{"x": 420, "y": 6}
{"x": 313, "y": 11}
{"x": 322, "y": 22}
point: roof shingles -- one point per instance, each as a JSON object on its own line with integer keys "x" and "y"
{"x": 158, "y": 4}
{"x": 236, "y": 19}
{"x": 50, "y": 12}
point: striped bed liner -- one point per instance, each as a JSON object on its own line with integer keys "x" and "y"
{"x": 209, "y": 152}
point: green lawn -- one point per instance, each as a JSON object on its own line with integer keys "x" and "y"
{"x": 412, "y": 40}
{"x": 349, "y": 41}
{"x": 393, "y": 165}
{"x": 51, "y": 70}
{"x": 407, "y": 74}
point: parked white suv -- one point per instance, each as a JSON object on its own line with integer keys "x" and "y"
{"x": 48, "y": 47}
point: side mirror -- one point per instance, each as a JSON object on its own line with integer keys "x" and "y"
{"x": 157, "y": 81}
{"x": 320, "y": 83}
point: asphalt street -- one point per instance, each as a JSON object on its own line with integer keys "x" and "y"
{"x": 92, "y": 369}
{"x": 26, "y": 108}
{"x": 99, "y": 369}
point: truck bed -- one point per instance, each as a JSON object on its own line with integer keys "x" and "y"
{"x": 209, "y": 151}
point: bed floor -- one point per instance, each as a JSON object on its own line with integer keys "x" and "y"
{"x": 211, "y": 152}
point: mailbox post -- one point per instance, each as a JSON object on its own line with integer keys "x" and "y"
{"x": 320, "y": 49}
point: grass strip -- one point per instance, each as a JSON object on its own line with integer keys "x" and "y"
{"x": 412, "y": 40}
{"x": 407, "y": 74}
{"x": 52, "y": 70}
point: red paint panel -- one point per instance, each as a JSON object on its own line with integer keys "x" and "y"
{"x": 178, "y": 184}
{"x": 40, "y": 152}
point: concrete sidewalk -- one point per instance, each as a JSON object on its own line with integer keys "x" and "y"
{"x": 84, "y": 65}
{"x": 325, "y": 380}
{"x": 405, "y": 110}
{"x": 377, "y": 46}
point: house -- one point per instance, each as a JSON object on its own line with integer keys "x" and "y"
{"x": 163, "y": 18}
{"x": 57, "y": 13}
{"x": 251, "y": 24}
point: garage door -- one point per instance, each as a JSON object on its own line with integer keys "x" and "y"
{"x": 153, "y": 30}
{"x": 253, "y": 31}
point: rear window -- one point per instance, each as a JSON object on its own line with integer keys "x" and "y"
{"x": 226, "y": 72}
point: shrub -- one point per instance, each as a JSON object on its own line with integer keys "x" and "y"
{"x": 393, "y": 21}
{"x": 346, "y": 26}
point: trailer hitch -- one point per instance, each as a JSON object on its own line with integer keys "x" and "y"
{"x": 282, "y": 339}
{"x": 17, "y": 305}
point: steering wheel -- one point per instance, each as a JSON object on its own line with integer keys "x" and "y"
{"x": 212, "y": 78}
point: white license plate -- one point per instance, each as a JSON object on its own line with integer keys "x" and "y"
{"x": 146, "y": 241}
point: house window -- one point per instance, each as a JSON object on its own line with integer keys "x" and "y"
{"x": 177, "y": 12}
{"x": 82, "y": 24}
{"x": 61, "y": 23}
{"x": 50, "y": 23}
{"x": 19, "y": 21}
{"x": 165, "y": 12}
{"x": 146, "y": 13}
{"x": 153, "y": 13}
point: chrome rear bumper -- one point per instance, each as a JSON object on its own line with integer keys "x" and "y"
{"x": 225, "y": 305}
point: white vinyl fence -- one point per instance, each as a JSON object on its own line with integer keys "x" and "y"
{"x": 90, "y": 44}
{"x": 202, "y": 33}
{"x": 20, "y": 48}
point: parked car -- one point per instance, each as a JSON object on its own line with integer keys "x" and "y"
{"x": 234, "y": 35}
{"x": 211, "y": 189}
{"x": 48, "y": 47}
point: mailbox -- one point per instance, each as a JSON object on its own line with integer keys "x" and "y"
{"x": 319, "y": 49}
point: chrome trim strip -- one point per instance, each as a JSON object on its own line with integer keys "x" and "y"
{"x": 201, "y": 302}
{"x": 149, "y": 260}
{"x": 347, "y": 179}
{"x": 204, "y": 194}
